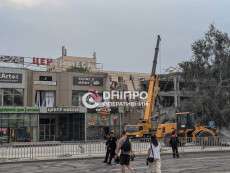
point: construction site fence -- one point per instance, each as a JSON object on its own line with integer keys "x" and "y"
{"x": 30, "y": 151}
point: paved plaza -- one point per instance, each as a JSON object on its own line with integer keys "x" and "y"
{"x": 188, "y": 163}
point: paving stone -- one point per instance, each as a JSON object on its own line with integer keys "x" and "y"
{"x": 188, "y": 163}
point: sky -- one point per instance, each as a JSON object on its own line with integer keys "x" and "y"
{"x": 122, "y": 32}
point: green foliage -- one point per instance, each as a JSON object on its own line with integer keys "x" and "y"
{"x": 209, "y": 71}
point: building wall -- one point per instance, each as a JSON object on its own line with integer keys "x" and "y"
{"x": 63, "y": 85}
{"x": 64, "y": 89}
{"x": 25, "y": 84}
{"x": 43, "y": 85}
{"x": 18, "y": 126}
{"x": 66, "y": 62}
{"x": 130, "y": 79}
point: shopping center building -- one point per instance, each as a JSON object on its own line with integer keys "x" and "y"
{"x": 47, "y": 105}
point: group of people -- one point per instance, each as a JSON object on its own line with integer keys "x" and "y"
{"x": 111, "y": 145}
{"x": 123, "y": 147}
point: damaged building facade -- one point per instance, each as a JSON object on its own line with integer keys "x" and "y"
{"x": 47, "y": 105}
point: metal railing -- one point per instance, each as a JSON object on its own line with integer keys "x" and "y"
{"x": 64, "y": 150}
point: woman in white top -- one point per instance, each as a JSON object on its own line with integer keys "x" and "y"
{"x": 154, "y": 152}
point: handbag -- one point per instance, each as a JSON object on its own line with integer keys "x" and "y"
{"x": 150, "y": 159}
{"x": 132, "y": 157}
{"x": 117, "y": 160}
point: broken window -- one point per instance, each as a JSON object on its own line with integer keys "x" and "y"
{"x": 167, "y": 101}
{"x": 191, "y": 86}
{"x": 120, "y": 79}
{"x": 166, "y": 86}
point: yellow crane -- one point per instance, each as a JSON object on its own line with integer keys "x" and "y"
{"x": 144, "y": 127}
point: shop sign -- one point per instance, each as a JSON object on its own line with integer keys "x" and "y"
{"x": 12, "y": 59}
{"x": 10, "y": 77}
{"x": 50, "y": 83}
{"x": 88, "y": 81}
{"x": 19, "y": 110}
{"x": 42, "y": 61}
{"x": 66, "y": 110}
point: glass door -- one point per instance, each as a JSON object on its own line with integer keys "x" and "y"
{"x": 47, "y": 130}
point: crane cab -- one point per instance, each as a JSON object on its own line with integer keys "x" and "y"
{"x": 185, "y": 123}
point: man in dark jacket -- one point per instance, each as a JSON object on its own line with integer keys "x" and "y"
{"x": 112, "y": 147}
{"x": 174, "y": 144}
{"x": 107, "y": 148}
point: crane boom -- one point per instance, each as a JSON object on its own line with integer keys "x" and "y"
{"x": 156, "y": 56}
{"x": 153, "y": 87}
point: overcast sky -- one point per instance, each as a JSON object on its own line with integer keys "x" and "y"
{"x": 119, "y": 30}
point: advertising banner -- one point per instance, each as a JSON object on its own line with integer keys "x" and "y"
{"x": 10, "y": 77}
{"x": 19, "y": 110}
{"x": 12, "y": 59}
{"x": 88, "y": 81}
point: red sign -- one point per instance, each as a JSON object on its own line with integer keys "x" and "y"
{"x": 42, "y": 61}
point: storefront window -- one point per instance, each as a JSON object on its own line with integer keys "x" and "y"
{"x": 33, "y": 121}
{"x": 8, "y": 100}
{"x": 18, "y": 97}
{"x": 4, "y": 121}
{"x": 11, "y": 97}
{"x": 27, "y": 121}
{"x": 45, "y": 98}
{"x": 13, "y": 120}
{"x": 3, "y": 135}
{"x": 18, "y": 127}
{"x": 20, "y": 120}
{"x": 77, "y": 98}
{"x": 71, "y": 127}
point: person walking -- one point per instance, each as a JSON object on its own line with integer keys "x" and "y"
{"x": 174, "y": 144}
{"x": 107, "y": 148}
{"x": 154, "y": 158}
{"x": 125, "y": 149}
{"x": 112, "y": 147}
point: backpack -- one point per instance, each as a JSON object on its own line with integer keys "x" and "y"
{"x": 126, "y": 147}
{"x": 174, "y": 141}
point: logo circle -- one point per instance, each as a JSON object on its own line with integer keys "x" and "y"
{"x": 89, "y": 101}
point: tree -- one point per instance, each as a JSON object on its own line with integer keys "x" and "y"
{"x": 209, "y": 71}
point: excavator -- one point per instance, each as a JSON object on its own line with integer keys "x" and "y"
{"x": 190, "y": 126}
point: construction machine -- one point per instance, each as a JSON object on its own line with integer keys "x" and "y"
{"x": 144, "y": 127}
{"x": 189, "y": 125}
{"x": 189, "y": 128}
